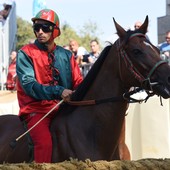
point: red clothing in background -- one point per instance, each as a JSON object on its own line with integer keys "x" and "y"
{"x": 11, "y": 77}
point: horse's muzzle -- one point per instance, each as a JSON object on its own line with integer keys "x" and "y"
{"x": 161, "y": 90}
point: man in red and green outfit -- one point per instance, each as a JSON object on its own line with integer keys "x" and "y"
{"x": 46, "y": 74}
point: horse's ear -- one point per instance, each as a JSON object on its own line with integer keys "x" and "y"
{"x": 120, "y": 31}
{"x": 144, "y": 27}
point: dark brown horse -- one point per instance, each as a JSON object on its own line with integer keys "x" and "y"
{"x": 93, "y": 130}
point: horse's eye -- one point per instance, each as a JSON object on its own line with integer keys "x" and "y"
{"x": 137, "y": 52}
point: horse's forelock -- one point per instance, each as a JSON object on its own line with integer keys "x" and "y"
{"x": 128, "y": 35}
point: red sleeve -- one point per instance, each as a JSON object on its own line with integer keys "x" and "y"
{"x": 77, "y": 77}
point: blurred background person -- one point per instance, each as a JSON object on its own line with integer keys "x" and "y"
{"x": 95, "y": 51}
{"x": 137, "y": 25}
{"x": 89, "y": 59}
{"x": 11, "y": 76}
{"x": 165, "y": 47}
{"x": 78, "y": 51}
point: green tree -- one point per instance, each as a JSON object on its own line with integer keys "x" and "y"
{"x": 67, "y": 33}
{"x": 25, "y": 34}
{"x": 89, "y": 32}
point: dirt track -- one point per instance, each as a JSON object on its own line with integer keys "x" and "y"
{"x": 143, "y": 164}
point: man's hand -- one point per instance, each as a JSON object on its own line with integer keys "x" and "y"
{"x": 66, "y": 94}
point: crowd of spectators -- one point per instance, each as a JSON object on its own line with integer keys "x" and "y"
{"x": 84, "y": 58}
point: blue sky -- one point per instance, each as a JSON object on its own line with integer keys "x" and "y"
{"x": 78, "y": 12}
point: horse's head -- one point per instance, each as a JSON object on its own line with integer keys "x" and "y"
{"x": 142, "y": 59}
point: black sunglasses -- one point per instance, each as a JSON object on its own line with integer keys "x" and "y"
{"x": 45, "y": 27}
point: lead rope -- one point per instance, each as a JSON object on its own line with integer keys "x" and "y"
{"x": 161, "y": 101}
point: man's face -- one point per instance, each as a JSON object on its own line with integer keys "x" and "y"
{"x": 73, "y": 46}
{"x": 137, "y": 25}
{"x": 94, "y": 47}
{"x": 43, "y": 30}
{"x": 168, "y": 38}
{"x": 13, "y": 55}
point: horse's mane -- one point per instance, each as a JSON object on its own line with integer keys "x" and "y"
{"x": 90, "y": 77}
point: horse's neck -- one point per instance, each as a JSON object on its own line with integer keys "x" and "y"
{"x": 108, "y": 82}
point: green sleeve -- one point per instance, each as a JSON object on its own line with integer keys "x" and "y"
{"x": 26, "y": 76}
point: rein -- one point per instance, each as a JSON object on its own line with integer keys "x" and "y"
{"x": 124, "y": 97}
{"x": 94, "y": 102}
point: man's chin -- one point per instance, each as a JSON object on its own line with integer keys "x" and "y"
{"x": 41, "y": 40}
